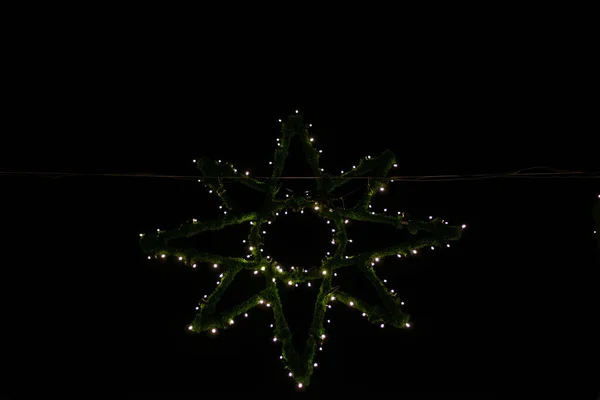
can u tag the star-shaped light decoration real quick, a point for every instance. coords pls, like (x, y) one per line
(300, 365)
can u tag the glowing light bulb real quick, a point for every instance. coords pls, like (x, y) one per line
(274, 339)
(323, 336)
(261, 301)
(300, 385)
(315, 365)
(316, 207)
(194, 266)
(407, 325)
(351, 303)
(190, 327)
(162, 256)
(255, 272)
(463, 226)
(376, 259)
(247, 173)
(382, 325)
(414, 252)
(230, 322)
(268, 304)
(381, 189)
(346, 221)
(311, 139)
(324, 272)
(290, 283)
(246, 315)
(215, 265)
(180, 258)
(214, 330)
(332, 298)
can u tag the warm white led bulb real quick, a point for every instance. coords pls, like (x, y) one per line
(190, 327)
(214, 330)
(351, 303)
(324, 272)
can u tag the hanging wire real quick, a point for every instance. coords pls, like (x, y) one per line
(521, 174)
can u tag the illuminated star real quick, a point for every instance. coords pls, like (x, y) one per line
(324, 204)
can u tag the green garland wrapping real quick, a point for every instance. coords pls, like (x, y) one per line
(300, 365)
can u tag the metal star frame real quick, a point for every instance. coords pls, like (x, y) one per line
(438, 233)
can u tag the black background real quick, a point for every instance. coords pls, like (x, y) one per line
(511, 307)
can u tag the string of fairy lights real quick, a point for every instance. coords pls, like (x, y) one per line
(299, 367)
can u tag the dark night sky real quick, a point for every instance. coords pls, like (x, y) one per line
(509, 307)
